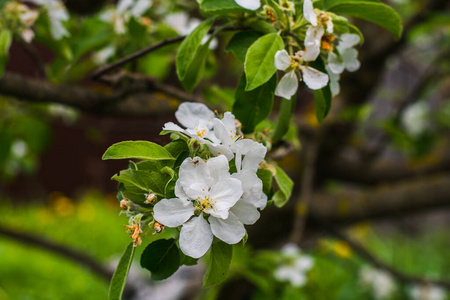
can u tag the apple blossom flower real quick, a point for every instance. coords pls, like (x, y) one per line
(294, 267)
(57, 14)
(249, 4)
(416, 118)
(197, 118)
(123, 11)
(334, 81)
(288, 85)
(348, 56)
(320, 22)
(379, 282)
(427, 292)
(208, 188)
(26, 16)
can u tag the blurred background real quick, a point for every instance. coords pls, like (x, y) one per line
(374, 176)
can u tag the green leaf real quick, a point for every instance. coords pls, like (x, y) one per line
(284, 118)
(187, 260)
(194, 72)
(161, 258)
(262, 26)
(322, 99)
(353, 29)
(371, 11)
(177, 147)
(254, 106)
(189, 48)
(137, 149)
(266, 177)
(119, 278)
(219, 264)
(218, 7)
(137, 183)
(285, 184)
(260, 60)
(240, 42)
(330, 3)
(6, 38)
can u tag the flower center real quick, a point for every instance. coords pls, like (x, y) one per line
(200, 132)
(205, 203)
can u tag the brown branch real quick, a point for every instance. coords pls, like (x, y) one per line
(103, 70)
(58, 249)
(128, 102)
(399, 275)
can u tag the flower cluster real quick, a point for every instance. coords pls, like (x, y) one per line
(379, 282)
(124, 10)
(427, 292)
(57, 14)
(21, 18)
(210, 201)
(294, 266)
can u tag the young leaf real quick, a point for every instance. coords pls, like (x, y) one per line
(119, 278)
(189, 48)
(260, 60)
(284, 118)
(322, 99)
(217, 7)
(240, 42)
(372, 11)
(285, 184)
(137, 183)
(219, 264)
(137, 149)
(195, 69)
(266, 176)
(254, 106)
(161, 258)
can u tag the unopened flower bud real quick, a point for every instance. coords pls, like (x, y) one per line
(149, 198)
(124, 204)
(158, 227)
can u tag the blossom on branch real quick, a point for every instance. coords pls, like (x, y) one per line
(294, 266)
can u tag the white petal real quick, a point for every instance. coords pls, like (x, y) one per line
(249, 4)
(27, 35)
(335, 63)
(313, 78)
(123, 5)
(290, 250)
(282, 60)
(217, 150)
(245, 212)
(254, 154)
(197, 191)
(308, 12)
(298, 279)
(221, 132)
(172, 127)
(288, 85)
(230, 231)
(189, 113)
(330, 26)
(218, 168)
(192, 171)
(140, 8)
(195, 237)
(173, 212)
(251, 187)
(312, 43)
(350, 58)
(349, 40)
(304, 263)
(224, 195)
(334, 81)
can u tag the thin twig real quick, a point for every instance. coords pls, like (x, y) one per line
(310, 148)
(402, 277)
(59, 249)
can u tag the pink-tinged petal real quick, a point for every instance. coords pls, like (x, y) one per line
(312, 43)
(313, 78)
(288, 85)
(173, 212)
(249, 4)
(189, 113)
(308, 12)
(282, 60)
(230, 230)
(196, 237)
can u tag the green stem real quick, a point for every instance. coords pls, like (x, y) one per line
(284, 119)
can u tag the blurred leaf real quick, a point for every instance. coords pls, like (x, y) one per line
(252, 107)
(161, 258)
(260, 60)
(119, 278)
(137, 149)
(217, 7)
(219, 264)
(240, 42)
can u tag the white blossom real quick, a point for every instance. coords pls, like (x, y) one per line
(416, 118)
(206, 187)
(57, 14)
(379, 282)
(288, 85)
(197, 118)
(427, 292)
(125, 9)
(348, 56)
(334, 81)
(294, 266)
(249, 4)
